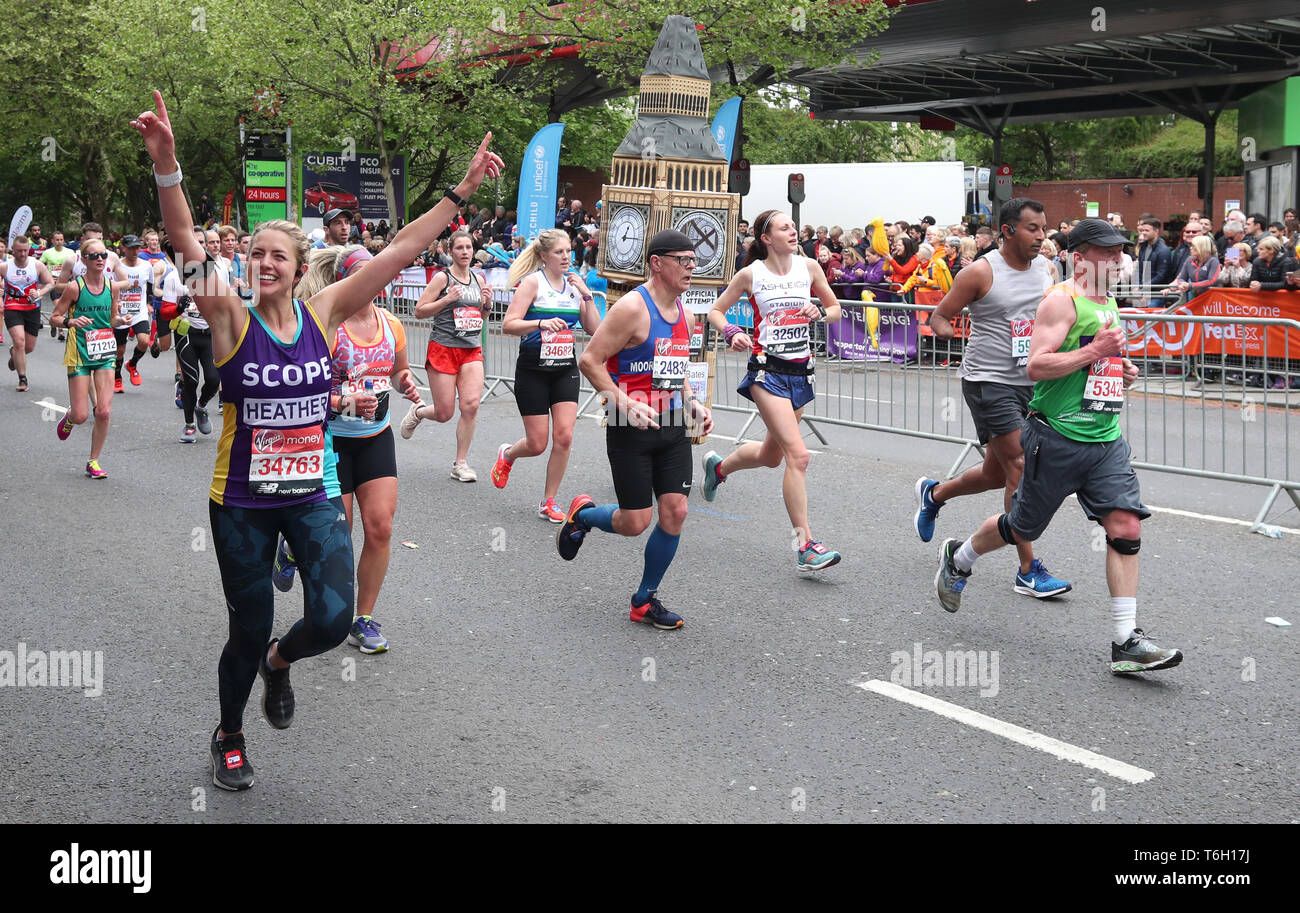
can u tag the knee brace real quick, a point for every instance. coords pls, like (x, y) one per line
(1124, 546)
(1004, 529)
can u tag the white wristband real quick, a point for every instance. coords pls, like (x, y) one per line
(168, 180)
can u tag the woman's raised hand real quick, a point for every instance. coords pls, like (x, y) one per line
(485, 163)
(156, 129)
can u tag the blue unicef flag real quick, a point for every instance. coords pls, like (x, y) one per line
(724, 125)
(537, 178)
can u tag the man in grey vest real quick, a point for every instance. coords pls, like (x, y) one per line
(1002, 290)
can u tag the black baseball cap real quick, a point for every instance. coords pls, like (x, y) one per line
(1095, 231)
(335, 213)
(130, 241)
(669, 239)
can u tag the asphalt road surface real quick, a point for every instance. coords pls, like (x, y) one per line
(517, 689)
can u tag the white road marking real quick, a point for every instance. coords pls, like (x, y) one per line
(1063, 750)
(1233, 520)
(54, 406)
(1214, 518)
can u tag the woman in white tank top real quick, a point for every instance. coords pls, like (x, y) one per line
(781, 284)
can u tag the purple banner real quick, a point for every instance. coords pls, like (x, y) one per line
(887, 334)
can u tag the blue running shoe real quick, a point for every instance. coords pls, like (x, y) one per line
(282, 570)
(816, 557)
(926, 509)
(654, 613)
(365, 635)
(568, 538)
(1039, 583)
(709, 486)
(179, 404)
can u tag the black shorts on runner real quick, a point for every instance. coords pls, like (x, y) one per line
(538, 389)
(648, 463)
(996, 409)
(364, 459)
(122, 334)
(29, 320)
(1101, 474)
(162, 328)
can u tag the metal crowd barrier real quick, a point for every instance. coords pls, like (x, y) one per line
(880, 369)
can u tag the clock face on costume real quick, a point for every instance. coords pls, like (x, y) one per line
(624, 240)
(707, 230)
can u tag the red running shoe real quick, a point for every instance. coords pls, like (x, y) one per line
(501, 470)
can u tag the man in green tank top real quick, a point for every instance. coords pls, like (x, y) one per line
(1073, 443)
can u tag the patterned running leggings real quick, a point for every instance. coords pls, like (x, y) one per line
(245, 542)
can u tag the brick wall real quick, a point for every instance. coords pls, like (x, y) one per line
(1160, 196)
(583, 184)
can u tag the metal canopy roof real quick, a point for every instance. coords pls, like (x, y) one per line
(984, 63)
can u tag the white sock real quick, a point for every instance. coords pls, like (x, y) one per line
(965, 557)
(1123, 612)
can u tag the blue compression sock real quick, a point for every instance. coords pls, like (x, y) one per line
(598, 517)
(659, 552)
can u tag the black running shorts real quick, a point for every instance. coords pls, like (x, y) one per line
(364, 459)
(647, 464)
(538, 389)
(29, 320)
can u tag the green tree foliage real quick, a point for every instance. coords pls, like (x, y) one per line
(344, 69)
(1125, 147)
(779, 130)
(757, 41)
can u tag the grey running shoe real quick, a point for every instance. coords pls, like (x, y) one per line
(230, 767)
(948, 581)
(277, 701)
(1139, 654)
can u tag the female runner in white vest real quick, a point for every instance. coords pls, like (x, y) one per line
(780, 282)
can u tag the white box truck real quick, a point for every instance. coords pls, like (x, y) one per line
(851, 195)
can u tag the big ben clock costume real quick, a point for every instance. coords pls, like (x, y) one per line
(669, 172)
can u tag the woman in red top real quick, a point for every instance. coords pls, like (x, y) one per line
(904, 261)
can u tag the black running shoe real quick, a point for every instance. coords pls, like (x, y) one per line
(230, 767)
(571, 533)
(654, 613)
(277, 700)
(1139, 654)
